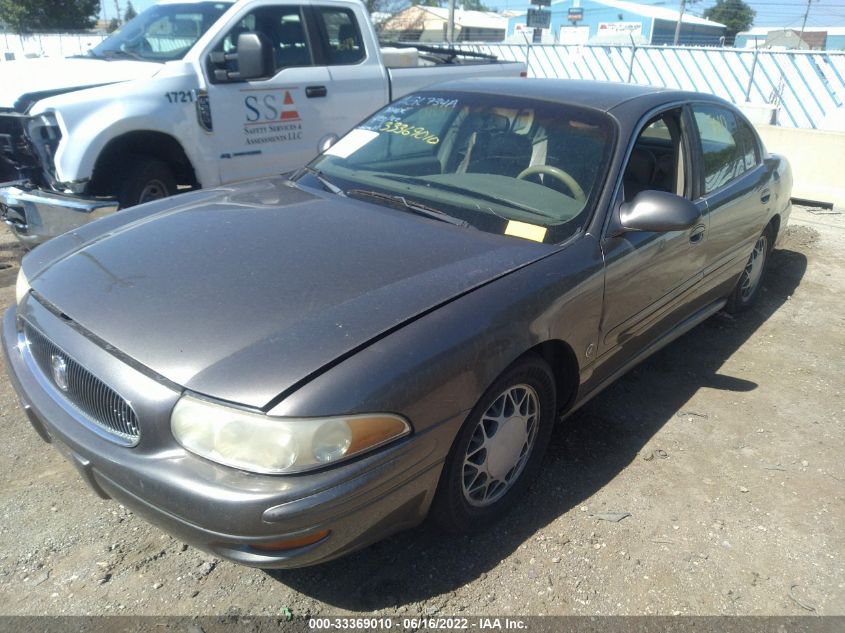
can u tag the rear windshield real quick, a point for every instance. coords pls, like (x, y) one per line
(519, 166)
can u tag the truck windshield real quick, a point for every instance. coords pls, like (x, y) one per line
(501, 164)
(162, 33)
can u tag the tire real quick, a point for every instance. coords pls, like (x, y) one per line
(748, 285)
(480, 484)
(143, 180)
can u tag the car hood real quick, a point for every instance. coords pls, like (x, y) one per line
(245, 294)
(28, 80)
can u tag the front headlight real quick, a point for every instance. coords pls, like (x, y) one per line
(264, 444)
(21, 287)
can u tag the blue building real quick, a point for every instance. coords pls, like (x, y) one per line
(621, 22)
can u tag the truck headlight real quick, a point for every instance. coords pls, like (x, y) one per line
(21, 287)
(262, 444)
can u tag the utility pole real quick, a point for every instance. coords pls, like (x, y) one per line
(680, 19)
(450, 25)
(804, 22)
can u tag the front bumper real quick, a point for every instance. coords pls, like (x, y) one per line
(220, 509)
(36, 215)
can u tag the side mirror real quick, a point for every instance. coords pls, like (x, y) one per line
(657, 212)
(254, 57)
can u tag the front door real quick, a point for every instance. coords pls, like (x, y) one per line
(270, 126)
(649, 275)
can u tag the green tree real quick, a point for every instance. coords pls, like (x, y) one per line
(113, 25)
(473, 5)
(734, 14)
(130, 12)
(23, 16)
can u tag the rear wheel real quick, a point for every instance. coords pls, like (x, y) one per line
(144, 179)
(499, 448)
(748, 286)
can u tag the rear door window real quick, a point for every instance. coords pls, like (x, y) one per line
(343, 37)
(728, 146)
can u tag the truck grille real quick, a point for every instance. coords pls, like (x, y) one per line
(99, 402)
(18, 160)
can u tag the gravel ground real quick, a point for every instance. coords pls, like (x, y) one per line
(726, 448)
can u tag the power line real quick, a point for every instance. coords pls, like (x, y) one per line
(804, 21)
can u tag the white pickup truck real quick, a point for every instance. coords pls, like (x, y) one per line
(191, 94)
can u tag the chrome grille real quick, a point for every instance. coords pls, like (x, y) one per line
(99, 402)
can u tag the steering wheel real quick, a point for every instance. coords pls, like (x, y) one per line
(555, 172)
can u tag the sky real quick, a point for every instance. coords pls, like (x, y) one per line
(781, 13)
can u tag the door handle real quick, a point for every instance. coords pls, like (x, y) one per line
(765, 196)
(316, 91)
(697, 235)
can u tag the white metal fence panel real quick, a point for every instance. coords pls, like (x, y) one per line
(803, 86)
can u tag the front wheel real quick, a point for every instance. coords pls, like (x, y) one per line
(499, 448)
(145, 179)
(748, 286)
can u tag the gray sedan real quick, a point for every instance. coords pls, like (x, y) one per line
(289, 369)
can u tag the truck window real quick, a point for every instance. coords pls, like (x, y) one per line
(285, 28)
(342, 34)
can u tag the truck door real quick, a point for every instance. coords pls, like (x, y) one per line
(270, 126)
(359, 79)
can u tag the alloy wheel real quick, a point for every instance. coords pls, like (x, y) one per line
(754, 268)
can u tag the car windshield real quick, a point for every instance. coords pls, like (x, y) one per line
(162, 33)
(518, 166)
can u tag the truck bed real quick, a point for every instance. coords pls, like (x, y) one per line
(408, 71)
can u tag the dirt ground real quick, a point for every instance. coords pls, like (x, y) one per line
(726, 448)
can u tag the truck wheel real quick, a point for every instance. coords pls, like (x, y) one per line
(499, 448)
(144, 180)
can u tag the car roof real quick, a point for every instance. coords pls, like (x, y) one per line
(600, 95)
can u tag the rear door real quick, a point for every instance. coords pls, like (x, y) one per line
(358, 78)
(734, 186)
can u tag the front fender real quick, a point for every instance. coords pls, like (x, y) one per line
(440, 364)
(90, 119)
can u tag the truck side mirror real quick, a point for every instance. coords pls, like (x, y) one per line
(254, 59)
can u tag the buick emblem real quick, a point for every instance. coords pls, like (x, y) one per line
(59, 366)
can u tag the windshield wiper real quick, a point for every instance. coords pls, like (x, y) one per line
(409, 205)
(469, 193)
(328, 185)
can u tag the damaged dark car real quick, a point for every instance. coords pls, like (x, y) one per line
(285, 370)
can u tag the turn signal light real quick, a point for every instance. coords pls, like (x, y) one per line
(302, 541)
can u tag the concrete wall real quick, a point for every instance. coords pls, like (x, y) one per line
(817, 159)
